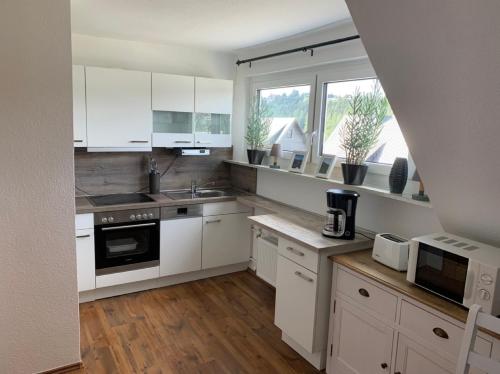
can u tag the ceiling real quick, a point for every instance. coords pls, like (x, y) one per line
(223, 25)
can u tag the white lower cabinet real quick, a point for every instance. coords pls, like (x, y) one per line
(226, 240)
(361, 343)
(295, 309)
(85, 259)
(180, 245)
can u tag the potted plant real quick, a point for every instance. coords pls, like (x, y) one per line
(361, 131)
(258, 128)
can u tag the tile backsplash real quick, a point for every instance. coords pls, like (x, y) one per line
(123, 172)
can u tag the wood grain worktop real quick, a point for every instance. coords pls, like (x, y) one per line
(363, 263)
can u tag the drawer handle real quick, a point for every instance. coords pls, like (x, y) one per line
(83, 236)
(383, 365)
(440, 333)
(139, 141)
(364, 292)
(182, 142)
(299, 274)
(295, 251)
(213, 221)
(78, 141)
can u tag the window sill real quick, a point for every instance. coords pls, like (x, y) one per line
(371, 190)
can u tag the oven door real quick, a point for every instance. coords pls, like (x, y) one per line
(441, 272)
(122, 247)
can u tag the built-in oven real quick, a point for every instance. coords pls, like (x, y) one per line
(126, 240)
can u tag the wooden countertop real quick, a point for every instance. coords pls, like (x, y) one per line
(362, 263)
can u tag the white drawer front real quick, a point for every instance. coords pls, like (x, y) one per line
(441, 334)
(224, 207)
(296, 302)
(84, 221)
(368, 295)
(299, 254)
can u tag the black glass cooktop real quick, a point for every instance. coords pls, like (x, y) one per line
(117, 199)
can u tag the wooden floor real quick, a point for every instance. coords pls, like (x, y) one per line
(216, 325)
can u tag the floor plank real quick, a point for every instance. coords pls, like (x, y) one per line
(218, 325)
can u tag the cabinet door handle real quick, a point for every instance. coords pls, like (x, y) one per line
(364, 292)
(213, 221)
(295, 251)
(182, 142)
(299, 274)
(83, 236)
(383, 365)
(78, 141)
(439, 332)
(139, 141)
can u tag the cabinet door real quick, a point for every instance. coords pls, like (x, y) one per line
(212, 130)
(85, 260)
(412, 358)
(173, 129)
(118, 108)
(180, 246)
(361, 343)
(213, 96)
(295, 310)
(226, 240)
(79, 107)
(172, 93)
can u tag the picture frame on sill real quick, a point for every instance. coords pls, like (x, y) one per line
(325, 166)
(298, 162)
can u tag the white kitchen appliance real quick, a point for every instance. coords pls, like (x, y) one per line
(458, 269)
(391, 250)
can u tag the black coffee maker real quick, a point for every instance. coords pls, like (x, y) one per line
(341, 214)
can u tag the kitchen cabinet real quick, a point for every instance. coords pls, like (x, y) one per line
(295, 311)
(180, 245)
(361, 344)
(119, 115)
(226, 240)
(267, 257)
(85, 259)
(213, 107)
(79, 107)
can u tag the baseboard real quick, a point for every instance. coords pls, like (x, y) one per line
(122, 289)
(65, 369)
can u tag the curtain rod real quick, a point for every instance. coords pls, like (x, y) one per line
(306, 48)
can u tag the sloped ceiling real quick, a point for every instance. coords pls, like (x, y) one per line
(439, 64)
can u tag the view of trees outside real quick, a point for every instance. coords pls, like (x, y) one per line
(288, 102)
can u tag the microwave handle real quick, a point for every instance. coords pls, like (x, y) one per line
(412, 261)
(469, 287)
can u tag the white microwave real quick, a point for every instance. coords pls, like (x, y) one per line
(461, 270)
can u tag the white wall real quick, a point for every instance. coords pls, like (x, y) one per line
(439, 64)
(375, 213)
(161, 58)
(39, 300)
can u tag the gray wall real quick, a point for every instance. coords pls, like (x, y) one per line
(39, 307)
(439, 64)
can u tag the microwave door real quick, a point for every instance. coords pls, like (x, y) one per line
(442, 272)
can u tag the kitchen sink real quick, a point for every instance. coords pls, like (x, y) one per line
(199, 194)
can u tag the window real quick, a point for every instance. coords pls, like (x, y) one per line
(391, 143)
(288, 108)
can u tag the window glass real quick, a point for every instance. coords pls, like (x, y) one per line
(391, 143)
(288, 109)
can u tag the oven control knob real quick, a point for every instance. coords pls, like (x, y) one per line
(486, 279)
(138, 216)
(145, 216)
(111, 219)
(150, 215)
(132, 217)
(104, 220)
(483, 294)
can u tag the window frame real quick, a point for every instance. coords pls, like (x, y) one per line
(287, 80)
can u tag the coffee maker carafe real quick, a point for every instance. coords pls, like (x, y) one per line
(341, 214)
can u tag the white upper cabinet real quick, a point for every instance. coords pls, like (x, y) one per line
(213, 96)
(79, 107)
(172, 93)
(119, 109)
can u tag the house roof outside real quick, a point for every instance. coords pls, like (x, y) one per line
(287, 132)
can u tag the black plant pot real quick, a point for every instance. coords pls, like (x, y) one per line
(398, 175)
(255, 156)
(354, 174)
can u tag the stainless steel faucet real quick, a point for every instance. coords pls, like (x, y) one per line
(194, 186)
